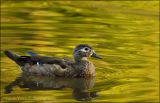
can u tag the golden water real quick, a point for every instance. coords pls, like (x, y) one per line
(124, 33)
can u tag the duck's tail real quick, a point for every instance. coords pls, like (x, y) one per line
(11, 55)
(14, 57)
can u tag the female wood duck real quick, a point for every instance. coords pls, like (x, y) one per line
(50, 66)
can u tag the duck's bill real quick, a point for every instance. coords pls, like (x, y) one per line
(96, 56)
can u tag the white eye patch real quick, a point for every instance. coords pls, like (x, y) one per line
(85, 49)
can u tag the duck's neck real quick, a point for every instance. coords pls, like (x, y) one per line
(79, 59)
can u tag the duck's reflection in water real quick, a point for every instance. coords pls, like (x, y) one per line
(80, 86)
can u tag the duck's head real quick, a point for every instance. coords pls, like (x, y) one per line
(83, 51)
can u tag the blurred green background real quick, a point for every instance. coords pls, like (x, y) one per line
(124, 33)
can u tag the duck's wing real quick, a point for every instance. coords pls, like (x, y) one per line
(34, 59)
(50, 60)
(31, 53)
(40, 60)
(49, 66)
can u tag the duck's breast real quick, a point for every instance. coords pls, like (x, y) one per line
(84, 68)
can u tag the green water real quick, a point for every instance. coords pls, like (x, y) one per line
(124, 33)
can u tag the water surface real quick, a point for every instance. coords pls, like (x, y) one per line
(124, 33)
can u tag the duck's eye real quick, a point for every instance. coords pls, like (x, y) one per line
(86, 49)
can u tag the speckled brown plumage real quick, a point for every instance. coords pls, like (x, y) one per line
(50, 66)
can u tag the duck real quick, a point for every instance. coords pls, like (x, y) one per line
(35, 64)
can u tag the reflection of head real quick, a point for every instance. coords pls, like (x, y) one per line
(83, 95)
